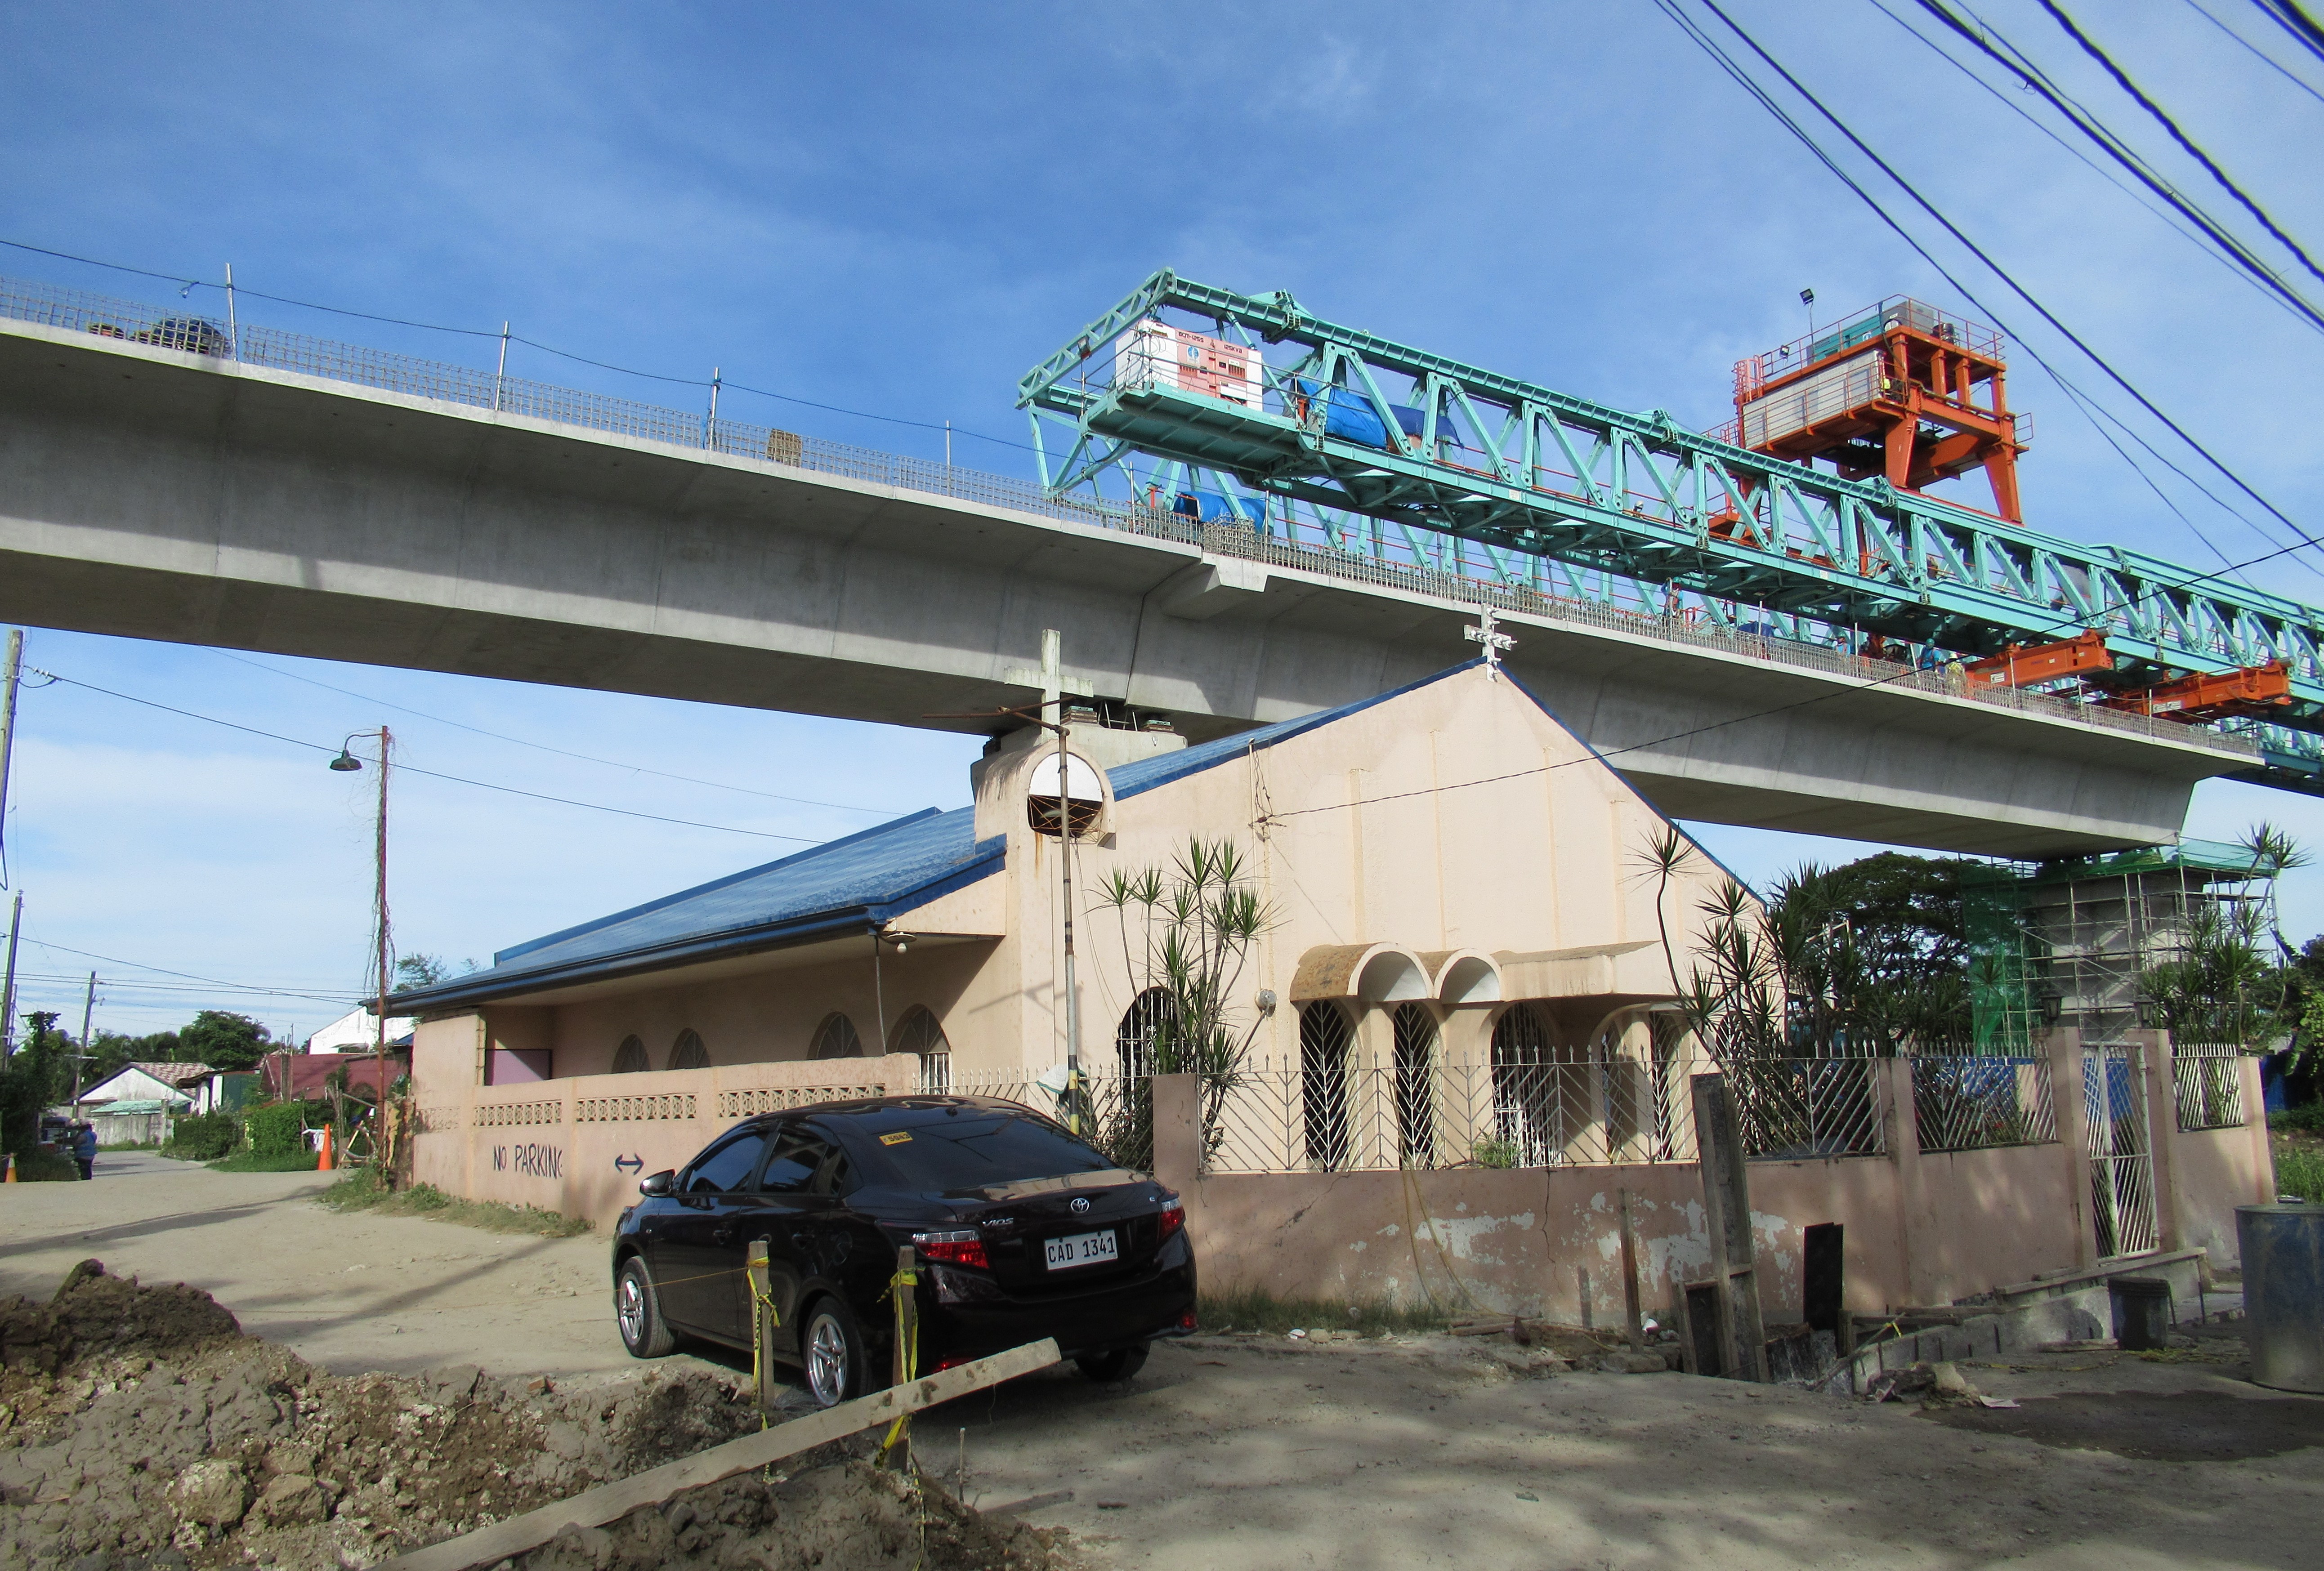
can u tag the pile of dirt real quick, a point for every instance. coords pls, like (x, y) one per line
(849, 1514)
(140, 1430)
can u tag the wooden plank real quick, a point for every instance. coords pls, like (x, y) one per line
(612, 1501)
(756, 1272)
(1727, 1206)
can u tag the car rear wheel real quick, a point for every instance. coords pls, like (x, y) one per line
(1107, 1368)
(637, 1309)
(832, 1350)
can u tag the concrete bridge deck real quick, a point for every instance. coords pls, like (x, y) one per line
(150, 492)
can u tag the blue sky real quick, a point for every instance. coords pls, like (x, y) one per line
(899, 209)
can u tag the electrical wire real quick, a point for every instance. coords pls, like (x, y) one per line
(1743, 78)
(1992, 44)
(544, 747)
(2165, 216)
(2303, 28)
(2187, 143)
(166, 971)
(2261, 55)
(432, 774)
(2089, 408)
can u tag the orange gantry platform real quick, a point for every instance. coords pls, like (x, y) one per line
(1905, 390)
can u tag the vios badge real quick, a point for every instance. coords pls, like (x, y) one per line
(1081, 1205)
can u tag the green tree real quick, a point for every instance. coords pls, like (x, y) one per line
(114, 1053)
(425, 970)
(224, 1040)
(32, 1079)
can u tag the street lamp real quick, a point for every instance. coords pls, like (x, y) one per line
(345, 763)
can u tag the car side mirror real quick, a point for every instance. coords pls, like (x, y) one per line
(658, 1183)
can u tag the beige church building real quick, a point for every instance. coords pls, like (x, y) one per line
(1457, 1061)
(1462, 954)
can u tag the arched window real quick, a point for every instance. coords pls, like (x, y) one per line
(1084, 792)
(1416, 1085)
(1324, 1039)
(629, 1058)
(687, 1052)
(1144, 1030)
(921, 1033)
(1540, 1089)
(836, 1038)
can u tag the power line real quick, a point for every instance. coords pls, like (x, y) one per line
(431, 773)
(166, 971)
(2022, 66)
(2186, 143)
(2169, 219)
(2261, 55)
(1670, 9)
(2303, 28)
(544, 747)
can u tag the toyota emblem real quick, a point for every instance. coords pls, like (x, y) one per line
(1080, 1206)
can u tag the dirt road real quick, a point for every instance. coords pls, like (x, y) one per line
(1248, 1452)
(346, 1292)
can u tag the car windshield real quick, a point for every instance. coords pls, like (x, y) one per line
(975, 1150)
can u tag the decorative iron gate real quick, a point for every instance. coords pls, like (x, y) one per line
(2122, 1171)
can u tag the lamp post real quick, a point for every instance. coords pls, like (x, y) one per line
(343, 763)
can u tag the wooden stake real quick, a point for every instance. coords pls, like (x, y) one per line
(763, 1328)
(612, 1501)
(1630, 1279)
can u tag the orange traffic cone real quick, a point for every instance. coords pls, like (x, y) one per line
(12, 1171)
(323, 1151)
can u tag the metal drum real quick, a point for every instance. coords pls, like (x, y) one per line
(2282, 1249)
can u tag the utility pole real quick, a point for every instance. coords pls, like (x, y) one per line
(8, 989)
(88, 1009)
(14, 669)
(379, 902)
(1052, 683)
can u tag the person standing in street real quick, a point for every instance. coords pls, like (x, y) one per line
(84, 1148)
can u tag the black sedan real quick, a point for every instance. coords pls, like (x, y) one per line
(1022, 1231)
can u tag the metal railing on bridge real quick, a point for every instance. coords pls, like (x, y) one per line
(1388, 564)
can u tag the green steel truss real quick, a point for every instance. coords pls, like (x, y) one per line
(1579, 498)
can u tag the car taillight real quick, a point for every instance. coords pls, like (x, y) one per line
(961, 1248)
(1174, 1217)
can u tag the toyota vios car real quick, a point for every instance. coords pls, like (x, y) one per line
(1021, 1232)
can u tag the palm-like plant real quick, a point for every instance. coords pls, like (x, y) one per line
(1195, 922)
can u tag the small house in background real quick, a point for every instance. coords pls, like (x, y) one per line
(174, 1087)
(309, 1074)
(358, 1031)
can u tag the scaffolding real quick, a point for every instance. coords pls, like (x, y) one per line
(2070, 943)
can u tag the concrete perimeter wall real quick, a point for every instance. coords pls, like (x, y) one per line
(1922, 1228)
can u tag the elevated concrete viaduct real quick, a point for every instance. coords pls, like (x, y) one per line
(153, 493)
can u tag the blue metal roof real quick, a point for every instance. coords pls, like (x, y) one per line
(857, 882)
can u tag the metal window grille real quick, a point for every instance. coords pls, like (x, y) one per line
(1416, 1086)
(629, 1058)
(1965, 1102)
(835, 1038)
(687, 1052)
(2121, 1177)
(1136, 1038)
(1807, 1107)
(2206, 1077)
(1325, 1103)
(1115, 1112)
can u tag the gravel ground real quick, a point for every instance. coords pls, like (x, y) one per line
(1248, 1452)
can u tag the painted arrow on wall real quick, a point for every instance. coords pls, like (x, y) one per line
(628, 1163)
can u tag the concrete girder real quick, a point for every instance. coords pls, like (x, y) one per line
(150, 493)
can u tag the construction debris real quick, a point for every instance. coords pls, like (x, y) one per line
(138, 1423)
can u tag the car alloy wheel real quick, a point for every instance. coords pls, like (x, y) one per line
(637, 1314)
(830, 1357)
